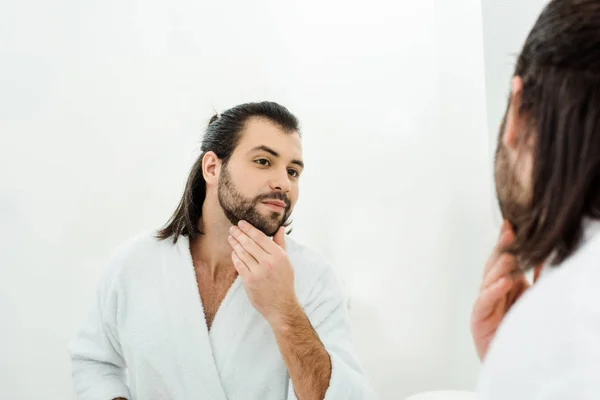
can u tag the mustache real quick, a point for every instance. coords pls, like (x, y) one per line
(274, 196)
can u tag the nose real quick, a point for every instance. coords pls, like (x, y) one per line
(280, 181)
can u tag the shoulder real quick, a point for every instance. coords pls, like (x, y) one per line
(563, 292)
(553, 328)
(136, 254)
(306, 260)
(313, 272)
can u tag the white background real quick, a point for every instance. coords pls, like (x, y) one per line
(102, 105)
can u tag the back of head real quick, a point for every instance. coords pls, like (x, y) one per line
(221, 137)
(560, 68)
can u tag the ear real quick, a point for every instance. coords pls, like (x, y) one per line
(514, 121)
(211, 168)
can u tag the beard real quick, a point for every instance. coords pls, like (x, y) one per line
(512, 196)
(237, 207)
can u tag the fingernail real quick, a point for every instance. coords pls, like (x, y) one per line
(243, 224)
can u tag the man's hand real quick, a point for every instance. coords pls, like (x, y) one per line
(265, 269)
(503, 284)
(268, 279)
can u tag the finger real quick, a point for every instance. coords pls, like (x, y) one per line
(506, 238)
(505, 265)
(260, 238)
(242, 254)
(239, 265)
(490, 298)
(279, 237)
(248, 244)
(517, 291)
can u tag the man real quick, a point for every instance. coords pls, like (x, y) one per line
(548, 184)
(171, 309)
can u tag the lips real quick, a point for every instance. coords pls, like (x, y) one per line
(276, 203)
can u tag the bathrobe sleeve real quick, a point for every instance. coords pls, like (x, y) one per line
(97, 362)
(327, 310)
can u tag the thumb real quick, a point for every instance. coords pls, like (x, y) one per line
(279, 237)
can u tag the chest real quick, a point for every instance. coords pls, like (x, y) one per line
(212, 292)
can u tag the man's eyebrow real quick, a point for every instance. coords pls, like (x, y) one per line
(265, 148)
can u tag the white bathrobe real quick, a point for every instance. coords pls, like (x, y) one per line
(548, 346)
(148, 320)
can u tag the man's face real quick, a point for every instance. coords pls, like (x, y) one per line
(259, 184)
(513, 170)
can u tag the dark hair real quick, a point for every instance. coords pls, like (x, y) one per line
(222, 136)
(560, 68)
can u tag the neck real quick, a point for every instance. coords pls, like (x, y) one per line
(212, 250)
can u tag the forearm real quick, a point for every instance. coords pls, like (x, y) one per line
(307, 360)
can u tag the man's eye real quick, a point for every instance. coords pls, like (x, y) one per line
(263, 162)
(293, 173)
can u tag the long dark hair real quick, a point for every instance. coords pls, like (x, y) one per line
(560, 68)
(222, 136)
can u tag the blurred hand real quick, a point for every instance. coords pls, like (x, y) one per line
(503, 284)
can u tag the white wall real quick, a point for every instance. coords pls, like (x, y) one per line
(101, 109)
(505, 27)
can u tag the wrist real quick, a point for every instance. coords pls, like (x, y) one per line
(286, 317)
